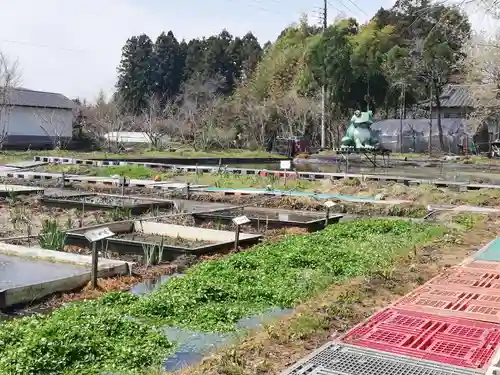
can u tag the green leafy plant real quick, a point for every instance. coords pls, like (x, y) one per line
(18, 215)
(119, 213)
(12, 197)
(214, 295)
(51, 236)
(151, 255)
(93, 337)
(149, 252)
(69, 223)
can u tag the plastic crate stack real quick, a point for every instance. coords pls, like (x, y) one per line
(448, 326)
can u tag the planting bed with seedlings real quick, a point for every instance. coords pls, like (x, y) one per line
(27, 216)
(153, 238)
(156, 242)
(136, 206)
(262, 218)
(212, 296)
(27, 221)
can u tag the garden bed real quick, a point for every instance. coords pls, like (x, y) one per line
(9, 190)
(271, 218)
(166, 240)
(93, 201)
(136, 237)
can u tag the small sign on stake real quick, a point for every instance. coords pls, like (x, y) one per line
(98, 234)
(328, 205)
(93, 236)
(285, 164)
(241, 220)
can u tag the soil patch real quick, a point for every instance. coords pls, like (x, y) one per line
(283, 342)
(167, 241)
(25, 216)
(107, 200)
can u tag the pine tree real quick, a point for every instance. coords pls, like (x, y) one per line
(168, 67)
(134, 87)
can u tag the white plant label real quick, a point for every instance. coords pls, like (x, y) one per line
(329, 204)
(285, 164)
(241, 220)
(98, 234)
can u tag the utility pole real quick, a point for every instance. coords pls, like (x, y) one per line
(430, 123)
(323, 87)
(401, 115)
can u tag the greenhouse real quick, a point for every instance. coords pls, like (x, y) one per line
(416, 134)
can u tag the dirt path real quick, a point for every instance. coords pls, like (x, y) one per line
(284, 342)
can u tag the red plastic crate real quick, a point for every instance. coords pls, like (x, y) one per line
(483, 265)
(462, 302)
(465, 277)
(454, 341)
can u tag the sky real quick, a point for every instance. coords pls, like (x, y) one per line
(74, 48)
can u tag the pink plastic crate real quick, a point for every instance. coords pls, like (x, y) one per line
(454, 341)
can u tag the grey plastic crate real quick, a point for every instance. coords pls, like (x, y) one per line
(342, 359)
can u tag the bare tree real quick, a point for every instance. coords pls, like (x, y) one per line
(105, 121)
(201, 114)
(483, 63)
(157, 121)
(299, 115)
(56, 125)
(9, 80)
(260, 126)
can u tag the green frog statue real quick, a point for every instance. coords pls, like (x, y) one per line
(358, 135)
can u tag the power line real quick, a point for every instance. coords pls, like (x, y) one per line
(360, 9)
(345, 6)
(334, 7)
(20, 42)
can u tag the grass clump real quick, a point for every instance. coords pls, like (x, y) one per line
(83, 338)
(52, 236)
(214, 295)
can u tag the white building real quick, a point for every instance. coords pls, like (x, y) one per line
(36, 119)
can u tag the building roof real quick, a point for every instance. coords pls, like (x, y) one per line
(457, 96)
(453, 96)
(30, 98)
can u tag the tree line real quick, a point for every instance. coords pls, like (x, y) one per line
(224, 90)
(160, 69)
